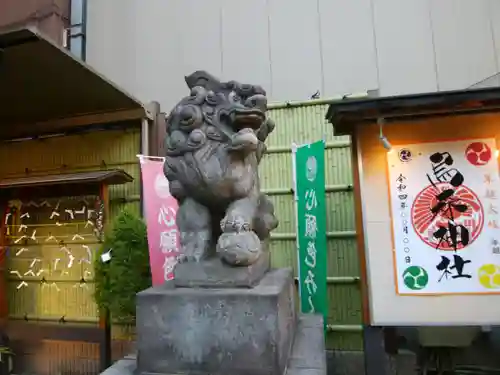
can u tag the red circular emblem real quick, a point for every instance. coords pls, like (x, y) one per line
(450, 223)
(478, 153)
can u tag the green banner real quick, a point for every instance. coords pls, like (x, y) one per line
(309, 176)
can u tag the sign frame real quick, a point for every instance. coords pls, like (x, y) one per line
(446, 254)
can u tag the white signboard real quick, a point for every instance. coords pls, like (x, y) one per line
(445, 203)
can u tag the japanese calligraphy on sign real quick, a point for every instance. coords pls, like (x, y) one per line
(160, 215)
(445, 217)
(309, 175)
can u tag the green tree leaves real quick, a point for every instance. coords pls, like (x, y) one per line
(127, 273)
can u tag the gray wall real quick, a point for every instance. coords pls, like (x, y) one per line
(295, 47)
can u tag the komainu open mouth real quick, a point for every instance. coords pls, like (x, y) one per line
(246, 118)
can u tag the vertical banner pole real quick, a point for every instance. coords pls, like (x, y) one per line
(295, 199)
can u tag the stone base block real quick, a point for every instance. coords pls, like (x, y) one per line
(217, 331)
(307, 356)
(213, 273)
(125, 366)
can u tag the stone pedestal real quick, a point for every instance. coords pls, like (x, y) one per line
(217, 331)
(213, 273)
(225, 331)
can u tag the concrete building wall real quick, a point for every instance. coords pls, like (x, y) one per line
(295, 48)
(50, 16)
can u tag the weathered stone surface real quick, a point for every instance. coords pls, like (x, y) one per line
(306, 371)
(217, 331)
(308, 354)
(214, 144)
(125, 366)
(212, 273)
(225, 312)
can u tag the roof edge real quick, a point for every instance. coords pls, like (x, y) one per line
(107, 177)
(344, 115)
(21, 36)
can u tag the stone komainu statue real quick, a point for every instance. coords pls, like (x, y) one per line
(215, 141)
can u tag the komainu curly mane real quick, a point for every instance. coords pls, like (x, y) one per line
(215, 141)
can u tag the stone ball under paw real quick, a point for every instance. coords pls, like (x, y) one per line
(239, 249)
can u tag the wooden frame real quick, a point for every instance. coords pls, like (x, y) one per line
(26, 330)
(104, 316)
(108, 107)
(374, 338)
(360, 234)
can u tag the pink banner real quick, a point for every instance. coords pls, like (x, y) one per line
(160, 210)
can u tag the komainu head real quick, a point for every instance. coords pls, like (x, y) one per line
(228, 112)
(215, 133)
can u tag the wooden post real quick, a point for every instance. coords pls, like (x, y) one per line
(104, 318)
(157, 131)
(4, 307)
(360, 235)
(373, 337)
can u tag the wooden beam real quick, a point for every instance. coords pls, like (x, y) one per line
(373, 337)
(60, 125)
(360, 238)
(104, 316)
(34, 331)
(157, 130)
(4, 300)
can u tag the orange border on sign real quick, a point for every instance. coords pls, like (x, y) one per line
(394, 264)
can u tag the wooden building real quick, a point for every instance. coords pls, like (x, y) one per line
(68, 145)
(445, 148)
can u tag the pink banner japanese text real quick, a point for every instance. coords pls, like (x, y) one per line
(160, 210)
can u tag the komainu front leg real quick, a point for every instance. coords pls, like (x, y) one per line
(238, 244)
(194, 224)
